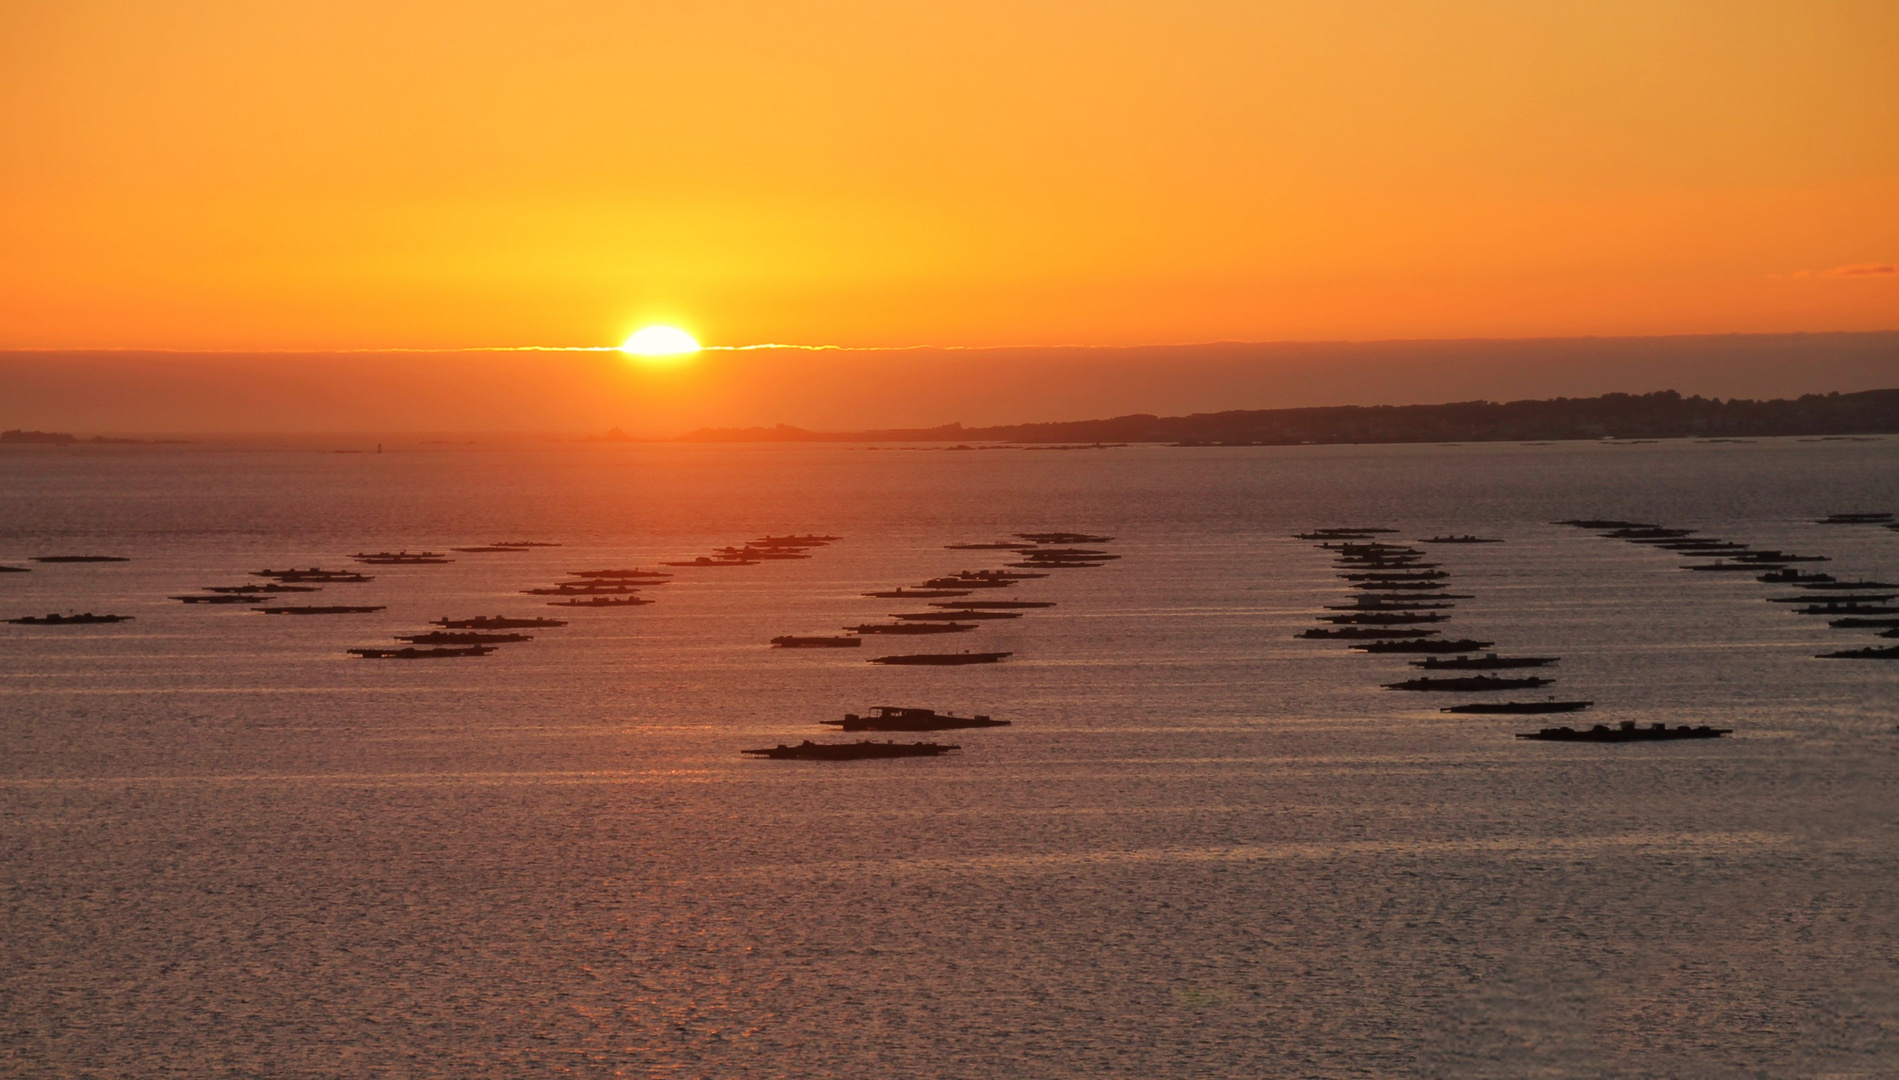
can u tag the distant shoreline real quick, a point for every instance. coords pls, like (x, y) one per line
(1661, 415)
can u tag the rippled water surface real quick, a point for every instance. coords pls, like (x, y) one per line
(1203, 849)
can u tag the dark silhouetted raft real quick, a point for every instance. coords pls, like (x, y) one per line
(421, 654)
(916, 594)
(1518, 708)
(1472, 683)
(1462, 645)
(401, 558)
(219, 598)
(1491, 662)
(857, 751)
(793, 641)
(911, 628)
(898, 718)
(82, 619)
(440, 637)
(1887, 653)
(599, 601)
(497, 622)
(1360, 633)
(79, 558)
(943, 659)
(1626, 732)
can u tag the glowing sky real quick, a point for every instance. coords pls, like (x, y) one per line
(336, 174)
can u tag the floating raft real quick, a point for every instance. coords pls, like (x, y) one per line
(313, 574)
(1361, 633)
(442, 637)
(793, 641)
(599, 601)
(857, 751)
(916, 594)
(79, 558)
(83, 619)
(412, 653)
(1461, 646)
(895, 718)
(1872, 653)
(1626, 732)
(1855, 519)
(1466, 685)
(401, 558)
(1493, 662)
(808, 540)
(943, 659)
(1063, 538)
(1518, 708)
(497, 622)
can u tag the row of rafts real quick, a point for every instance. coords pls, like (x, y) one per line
(1862, 604)
(448, 638)
(962, 602)
(1399, 594)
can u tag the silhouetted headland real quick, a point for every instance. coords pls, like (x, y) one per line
(1661, 415)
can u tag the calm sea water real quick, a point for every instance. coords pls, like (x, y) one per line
(1204, 849)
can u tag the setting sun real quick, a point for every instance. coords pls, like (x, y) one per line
(659, 341)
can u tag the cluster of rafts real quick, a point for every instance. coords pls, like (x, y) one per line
(881, 718)
(285, 592)
(753, 552)
(581, 589)
(1399, 602)
(961, 602)
(68, 618)
(1846, 605)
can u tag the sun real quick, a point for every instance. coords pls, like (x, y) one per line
(659, 341)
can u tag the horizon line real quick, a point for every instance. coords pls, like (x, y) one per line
(767, 346)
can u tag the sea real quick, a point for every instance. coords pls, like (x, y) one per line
(1204, 847)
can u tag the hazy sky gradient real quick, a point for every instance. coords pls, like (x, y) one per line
(335, 174)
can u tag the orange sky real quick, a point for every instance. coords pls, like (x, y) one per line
(334, 174)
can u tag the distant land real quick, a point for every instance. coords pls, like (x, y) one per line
(1661, 415)
(193, 395)
(18, 437)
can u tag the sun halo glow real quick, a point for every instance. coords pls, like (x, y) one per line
(659, 341)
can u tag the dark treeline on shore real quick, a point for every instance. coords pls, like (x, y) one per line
(1662, 415)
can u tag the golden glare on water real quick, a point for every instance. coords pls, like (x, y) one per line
(660, 341)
